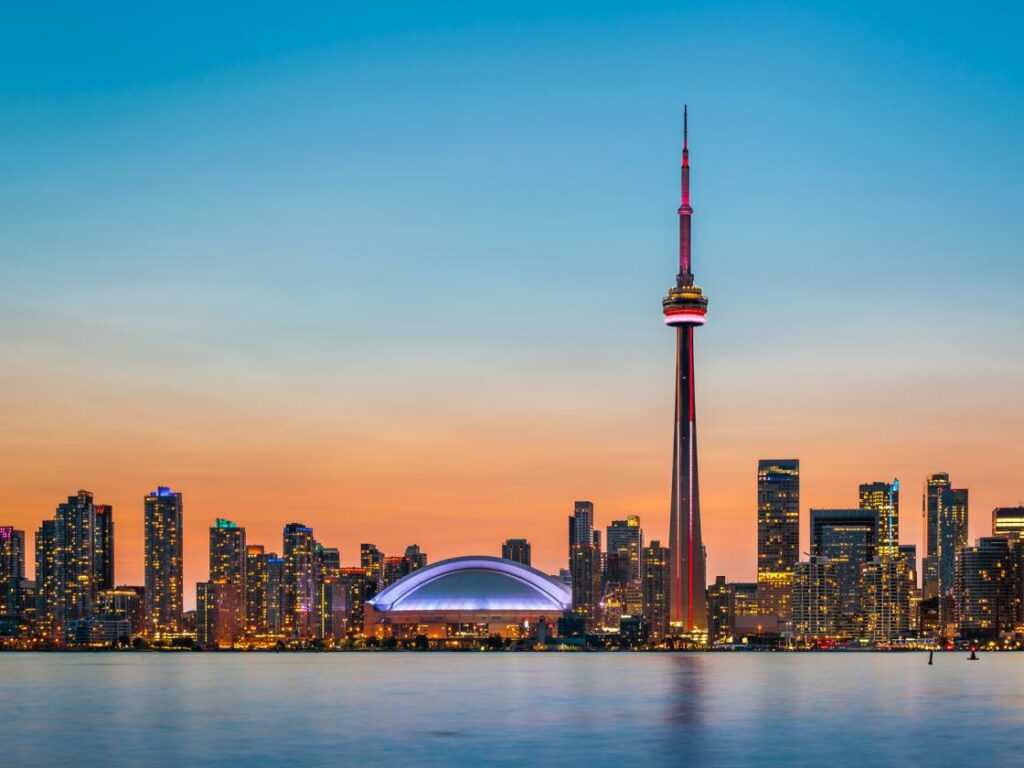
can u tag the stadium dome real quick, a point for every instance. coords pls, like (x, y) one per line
(475, 583)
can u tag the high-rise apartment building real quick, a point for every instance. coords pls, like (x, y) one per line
(988, 592)
(1008, 521)
(625, 540)
(300, 581)
(371, 560)
(228, 582)
(721, 611)
(76, 563)
(581, 524)
(657, 574)
(778, 534)
(815, 600)
(163, 561)
(12, 568)
(49, 618)
(884, 497)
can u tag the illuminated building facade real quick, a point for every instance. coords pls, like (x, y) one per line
(414, 558)
(255, 590)
(12, 568)
(884, 497)
(684, 309)
(581, 524)
(358, 587)
(371, 560)
(625, 539)
(1008, 521)
(988, 578)
(275, 594)
(163, 561)
(886, 587)
(778, 534)
(104, 546)
(516, 550)
(849, 539)
(392, 569)
(815, 600)
(49, 619)
(474, 596)
(585, 566)
(76, 564)
(123, 603)
(721, 611)
(952, 529)
(229, 563)
(300, 581)
(657, 577)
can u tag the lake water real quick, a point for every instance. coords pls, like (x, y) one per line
(462, 709)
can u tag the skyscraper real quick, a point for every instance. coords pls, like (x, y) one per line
(625, 539)
(849, 539)
(49, 619)
(657, 578)
(581, 524)
(885, 497)
(684, 309)
(76, 563)
(414, 558)
(163, 555)
(228, 578)
(299, 581)
(815, 599)
(952, 530)
(778, 534)
(104, 546)
(12, 568)
(987, 587)
(517, 550)
(255, 590)
(721, 611)
(934, 485)
(371, 560)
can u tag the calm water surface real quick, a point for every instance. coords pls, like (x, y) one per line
(511, 709)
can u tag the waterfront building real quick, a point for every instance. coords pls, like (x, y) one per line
(300, 578)
(228, 573)
(721, 611)
(684, 309)
(76, 563)
(1008, 521)
(163, 561)
(953, 516)
(275, 594)
(104, 546)
(49, 619)
(255, 590)
(815, 600)
(585, 564)
(356, 588)
(778, 534)
(849, 539)
(657, 570)
(885, 598)
(987, 589)
(12, 568)
(516, 550)
(123, 603)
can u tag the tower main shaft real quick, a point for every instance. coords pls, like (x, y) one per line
(684, 309)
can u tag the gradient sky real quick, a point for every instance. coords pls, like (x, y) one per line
(397, 273)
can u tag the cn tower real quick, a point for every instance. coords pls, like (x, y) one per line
(684, 308)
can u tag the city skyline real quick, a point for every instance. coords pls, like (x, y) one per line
(242, 343)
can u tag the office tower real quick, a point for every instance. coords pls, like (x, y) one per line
(885, 497)
(104, 546)
(163, 561)
(414, 558)
(988, 577)
(12, 568)
(1008, 521)
(778, 534)
(849, 539)
(581, 524)
(721, 611)
(626, 540)
(585, 565)
(49, 619)
(815, 599)
(517, 550)
(371, 560)
(255, 590)
(657, 568)
(299, 581)
(228, 581)
(952, 529)
(684, 309)
(275, 594)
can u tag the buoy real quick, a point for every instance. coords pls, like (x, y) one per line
(973, 656)
(930, 654)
